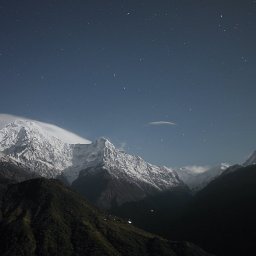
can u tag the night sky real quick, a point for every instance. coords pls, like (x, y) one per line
(172, 81)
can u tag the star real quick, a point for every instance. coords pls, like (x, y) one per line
(244, 59)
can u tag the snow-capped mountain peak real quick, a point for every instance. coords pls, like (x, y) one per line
(119, 165)
(30, 144)
(117, 176)
(50, 129)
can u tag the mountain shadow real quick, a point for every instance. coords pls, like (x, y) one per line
(12, 173)
(44, 217)
(156, 213)
(221, 217)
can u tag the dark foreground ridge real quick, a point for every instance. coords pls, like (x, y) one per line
(44, 217)
(220, 218)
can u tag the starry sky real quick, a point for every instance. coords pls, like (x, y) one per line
(172, 81)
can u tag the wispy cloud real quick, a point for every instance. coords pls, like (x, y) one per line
(162, 123)
(50, 129)
(195, 169)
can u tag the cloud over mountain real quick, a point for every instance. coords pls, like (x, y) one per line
(53, 130)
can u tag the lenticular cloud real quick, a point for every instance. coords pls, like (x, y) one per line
(53, 130)
(162, 123)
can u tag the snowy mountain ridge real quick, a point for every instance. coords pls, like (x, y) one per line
(29, 143)
(120, 164)
(198, 177)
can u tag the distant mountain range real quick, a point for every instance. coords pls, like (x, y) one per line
(197, 178)
(121, 177)
(213, 207)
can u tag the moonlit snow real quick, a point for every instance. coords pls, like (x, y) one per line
(52, 130)
(37, 145)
